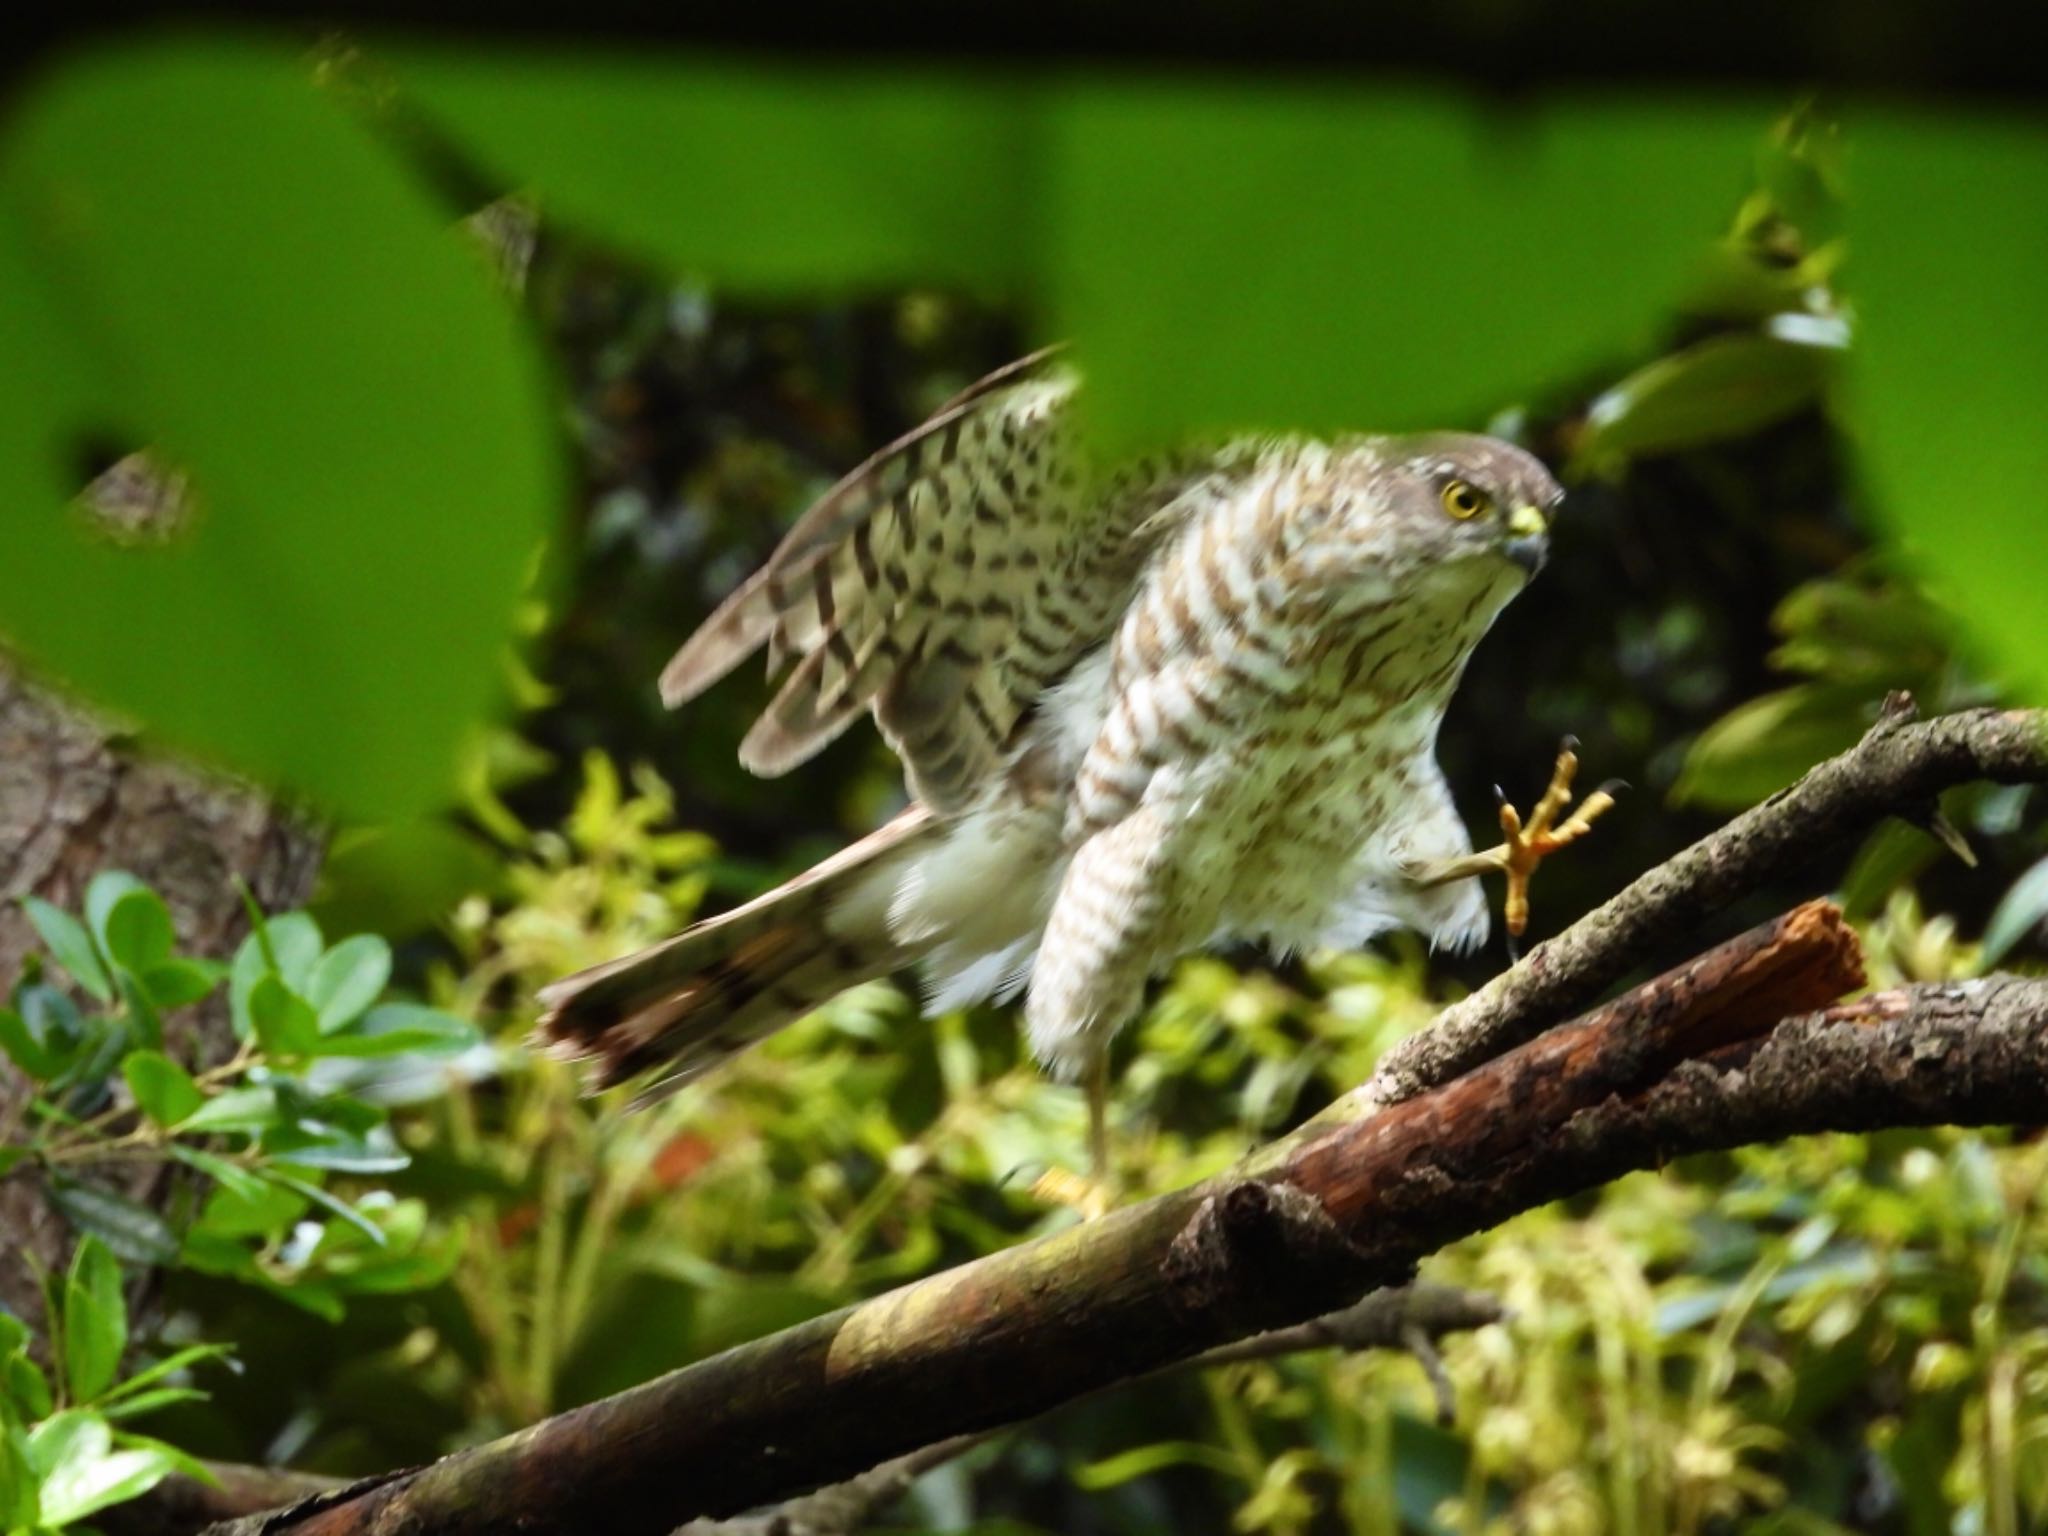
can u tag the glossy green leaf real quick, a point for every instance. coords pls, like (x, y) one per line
(1724, 387)
(101, 893)
(171, 1364)
(233, 1212)
(231, 1176)
(348, 979)
(133, 1231)
(1950, 227)
(82, 1470)
(20, 1482)
(1759, 747)
(23, 1048)
(311, 1145)
(334, 1205)
(239, 1109)
(138, 933)
(1327, 258)
(164, 1089)
(180, 983)
(259, 289)
(397, 1028)
(772, 175)
(95, 1320)
(70, 945)
(23, 1382)
(284, 1023)
(291, 942)
(156, 1398)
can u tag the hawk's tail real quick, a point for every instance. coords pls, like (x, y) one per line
(716, 988)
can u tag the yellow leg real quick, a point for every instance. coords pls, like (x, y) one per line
(1526, 846)
(1091, 1196)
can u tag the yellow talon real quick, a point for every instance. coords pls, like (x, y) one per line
(1523, 848)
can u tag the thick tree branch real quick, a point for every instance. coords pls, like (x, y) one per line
(1691, 1062)
(1898, 769)
(1405, 1317)
(1701, 1058)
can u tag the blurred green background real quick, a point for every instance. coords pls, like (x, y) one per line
(462, 484)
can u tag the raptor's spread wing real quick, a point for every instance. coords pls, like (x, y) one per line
(943, 584)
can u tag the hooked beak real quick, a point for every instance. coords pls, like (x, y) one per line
(1528, 538)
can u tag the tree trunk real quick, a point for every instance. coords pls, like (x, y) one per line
(77, 798)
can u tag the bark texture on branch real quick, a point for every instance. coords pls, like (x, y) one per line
(1897, 769)
(1675, 1067)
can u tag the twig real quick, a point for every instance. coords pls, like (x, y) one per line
(1897, 769)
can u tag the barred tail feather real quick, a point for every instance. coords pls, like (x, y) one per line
(705, 995)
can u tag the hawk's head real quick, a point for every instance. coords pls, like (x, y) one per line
(1459, 496)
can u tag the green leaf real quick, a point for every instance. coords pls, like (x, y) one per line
(230, 1176)
(164, 1090)
(376, 466)
(141, 1393)
(907, 175)
(1721, 388)
(231, 1213)
(397, 1028)
(102, 1040)
(284, 1022)
(134, 1232)
(24, 1382)
(2022, 910)
(1759, 747)
(77, 1434)
(20, 1482)
(138, 933)
(288, 945)
(145, 1025)
(70, 945)
(150, 1402)
(1408, 264)
(1949, 217)
(82, 1472)
(1144, 1460)
(312, 1145)
(402, 880)
(239, 1109)
(95, 1321)
(22, 1047)
(332, 1204)
(293, 940)
(51, 1023)
(101, 894)
(348, 979)
(180, 983)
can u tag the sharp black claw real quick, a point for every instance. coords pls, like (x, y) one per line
(1500, 796)
(1514, 948)
(1569, 744)
(1614, 787)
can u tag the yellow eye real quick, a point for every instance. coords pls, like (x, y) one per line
(1465, 502)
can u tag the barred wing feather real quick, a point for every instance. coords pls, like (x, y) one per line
(942, 585)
